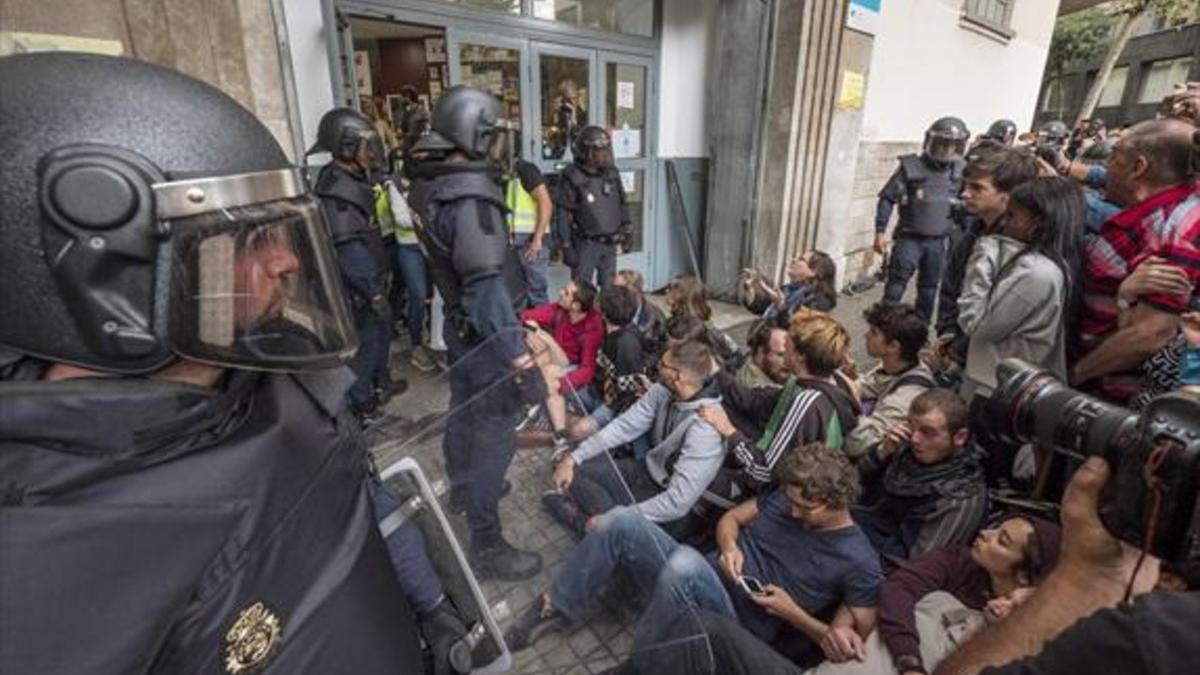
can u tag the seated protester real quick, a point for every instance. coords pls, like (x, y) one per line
(620, 365)
(1021, 290)
(811, 407)
(988, 576)
(923, 484)
(767, 366)
(1149, 176)
(686, 451)
(798, 540)
(576, 327)
(987, 184)
(921, 608)
(648, 319)
(687, 297)
(811, 279)
(895, 335)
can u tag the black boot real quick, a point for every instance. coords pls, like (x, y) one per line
(445, 633)
(494, 558)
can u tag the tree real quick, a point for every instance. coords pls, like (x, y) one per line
(1127, 13)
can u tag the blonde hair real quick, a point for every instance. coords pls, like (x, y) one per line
(820, 339)
(633, 279)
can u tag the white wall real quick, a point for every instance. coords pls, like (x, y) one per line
(310, 64)
(926, 65)
(685, 62)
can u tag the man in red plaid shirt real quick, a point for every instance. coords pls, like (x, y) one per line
(1149, 174)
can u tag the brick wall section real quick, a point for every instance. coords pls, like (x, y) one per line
(875, 163)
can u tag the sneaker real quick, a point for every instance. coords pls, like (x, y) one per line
(564, 511)
(423, 359)
(498, 559)
(538, 620)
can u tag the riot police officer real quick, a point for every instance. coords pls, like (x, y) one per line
(456, 192)
(348, 200)
(926, 187)
(181, 486)
(1002, 131)
(593, 200)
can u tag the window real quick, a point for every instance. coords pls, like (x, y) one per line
(635, 17)
(1160, 77)
(1114, 89)
(507, 6)
(1059, 94)
(993, 14)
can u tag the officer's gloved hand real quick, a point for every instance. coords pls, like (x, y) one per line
(443, 631)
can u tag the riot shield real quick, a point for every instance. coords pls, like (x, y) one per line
(457, 439)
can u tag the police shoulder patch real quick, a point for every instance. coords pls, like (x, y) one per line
(253, 640)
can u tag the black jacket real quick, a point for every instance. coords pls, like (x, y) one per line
(144, 522)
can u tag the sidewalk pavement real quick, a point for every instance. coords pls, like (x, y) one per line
(605, 639)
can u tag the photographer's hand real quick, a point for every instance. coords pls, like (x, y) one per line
(1092, 573)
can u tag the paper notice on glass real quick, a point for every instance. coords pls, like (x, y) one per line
(626, 143)
(625, 92)
(629, 182)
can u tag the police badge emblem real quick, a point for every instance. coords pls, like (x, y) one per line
(253, 640)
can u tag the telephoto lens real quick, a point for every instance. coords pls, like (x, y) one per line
(1150, 502)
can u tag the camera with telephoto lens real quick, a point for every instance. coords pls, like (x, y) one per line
(1150, 501)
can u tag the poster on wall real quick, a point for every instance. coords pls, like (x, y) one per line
(362, 73)
(864, 15)
(14, 42)
(435, 50)
(626, 143)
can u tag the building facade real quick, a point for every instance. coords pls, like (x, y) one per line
(1156, 58)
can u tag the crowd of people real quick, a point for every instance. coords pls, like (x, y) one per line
(776, 510)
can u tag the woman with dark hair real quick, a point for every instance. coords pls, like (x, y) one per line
(686, 296)
(1022, 289)
(810, 284)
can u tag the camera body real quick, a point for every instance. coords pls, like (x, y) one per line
(1155, 455)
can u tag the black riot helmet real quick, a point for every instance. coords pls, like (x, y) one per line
(347, 134)
(946, 139)
(1004, 131)
(1053, 132)
(592, 146)
(148, 216)
(467, 119)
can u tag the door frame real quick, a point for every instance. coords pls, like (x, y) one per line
(646, 163)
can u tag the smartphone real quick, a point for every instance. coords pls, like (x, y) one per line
(752, 586)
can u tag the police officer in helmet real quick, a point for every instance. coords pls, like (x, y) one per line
(593, 199)
(926, 188)
(1003, 132)
(456, 193)
(348, 200)
(181, 486)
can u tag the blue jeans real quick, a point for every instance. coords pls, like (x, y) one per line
(410, 263)
(675, 577)
(924, 256)
(536, 273)
(406, 548)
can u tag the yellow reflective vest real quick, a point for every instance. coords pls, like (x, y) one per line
(523, 219)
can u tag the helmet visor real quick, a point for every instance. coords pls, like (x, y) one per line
(946, 147)
(257, 287)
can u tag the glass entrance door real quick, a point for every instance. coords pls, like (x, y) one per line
(625, 90)
(495, 65)
(564, 80)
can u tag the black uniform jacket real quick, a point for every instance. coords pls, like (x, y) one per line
(151, 527)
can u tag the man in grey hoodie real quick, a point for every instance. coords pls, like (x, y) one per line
(687, 451)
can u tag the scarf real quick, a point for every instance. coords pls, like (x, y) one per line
(960, 477)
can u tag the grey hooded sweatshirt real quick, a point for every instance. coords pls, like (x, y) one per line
(687, 451)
